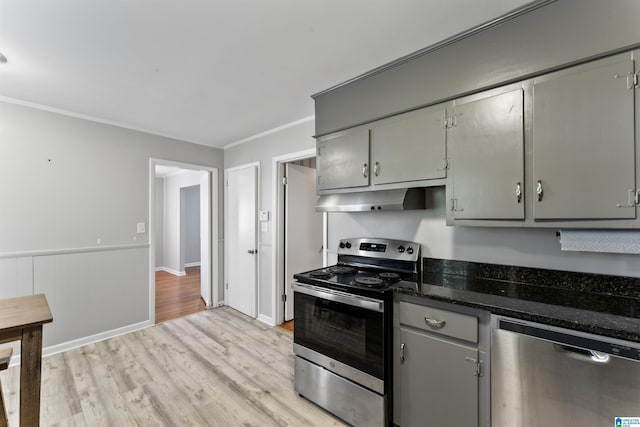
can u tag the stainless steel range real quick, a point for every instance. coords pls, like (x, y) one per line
(343, 325)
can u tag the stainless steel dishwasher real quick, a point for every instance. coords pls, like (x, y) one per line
(545, 376)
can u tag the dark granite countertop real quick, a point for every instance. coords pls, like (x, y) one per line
(599, 304)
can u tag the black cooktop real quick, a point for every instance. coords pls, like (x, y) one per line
(371, 282)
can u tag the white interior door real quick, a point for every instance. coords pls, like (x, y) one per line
(241, 239)
(303, 228)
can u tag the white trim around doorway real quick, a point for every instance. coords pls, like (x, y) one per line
(277, 236)
(214, 206)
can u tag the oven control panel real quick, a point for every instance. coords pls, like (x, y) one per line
(380, 248)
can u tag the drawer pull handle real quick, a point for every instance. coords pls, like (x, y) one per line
(434, 324)
(402, 353)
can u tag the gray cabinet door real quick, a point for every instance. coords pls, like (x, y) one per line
(439, 386)
(343, 160)
(583, 142)
(486, 148)
(409, 147)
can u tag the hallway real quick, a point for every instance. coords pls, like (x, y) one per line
(178, 296)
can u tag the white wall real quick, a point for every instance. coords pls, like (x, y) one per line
(263, 150)
(159, 227)
(538, 248)
(192, 224)
(174, 218)
(73, 182)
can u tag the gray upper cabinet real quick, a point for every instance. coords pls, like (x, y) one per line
(486, 148)
(583, 142)
(343, 160)
(404, 150)
(409, 147)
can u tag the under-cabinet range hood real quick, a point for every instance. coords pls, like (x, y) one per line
(367, 201)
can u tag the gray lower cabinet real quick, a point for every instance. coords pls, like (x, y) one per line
(409, 147)
(343, 160)
(439, 367)
(583, 142)
(439, 383)
(486, 146)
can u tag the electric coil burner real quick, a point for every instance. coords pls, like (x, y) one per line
(342, 338)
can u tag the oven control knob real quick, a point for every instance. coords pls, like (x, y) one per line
(342, 245)
(401, 249)
(409, 250)
(348, 245)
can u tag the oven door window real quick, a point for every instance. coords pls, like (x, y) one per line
(351, 335)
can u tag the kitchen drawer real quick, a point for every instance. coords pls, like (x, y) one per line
(441, 322)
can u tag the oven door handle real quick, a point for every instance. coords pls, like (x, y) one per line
(341, 297)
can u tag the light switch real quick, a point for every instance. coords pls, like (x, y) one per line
(263, 216)
(140, 227)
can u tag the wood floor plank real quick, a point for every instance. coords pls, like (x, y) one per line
(178, 296)
(213, 368)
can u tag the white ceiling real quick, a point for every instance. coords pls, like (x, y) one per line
(212, 72)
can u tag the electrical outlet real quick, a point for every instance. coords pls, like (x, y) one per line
(140, 227)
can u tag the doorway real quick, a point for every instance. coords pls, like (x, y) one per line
(299, 231)
(183, 225)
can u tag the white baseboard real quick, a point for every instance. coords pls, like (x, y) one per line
(192, 264)
(59, 348)
(268, 320)
(171, 271)
(220, 303)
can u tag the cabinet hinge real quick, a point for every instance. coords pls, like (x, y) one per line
(284, 297)
(450, 122)
(478, 372)
(632, 79)
(632, 200)
(284, 180)
(454, 206)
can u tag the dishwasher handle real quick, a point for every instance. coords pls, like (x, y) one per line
(577, 345)
(576, 353)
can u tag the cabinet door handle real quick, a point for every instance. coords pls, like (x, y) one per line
(402, 352)
(539, 191)
(434, 323)
(365, 170)
(518, 192)
(376, 169)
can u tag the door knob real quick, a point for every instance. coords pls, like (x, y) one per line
(252, 251)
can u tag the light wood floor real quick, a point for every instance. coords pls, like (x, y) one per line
(213, 368)
(177, 296)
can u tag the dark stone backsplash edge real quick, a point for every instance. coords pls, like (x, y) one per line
(559, 279)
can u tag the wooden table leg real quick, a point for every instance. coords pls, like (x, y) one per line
(30, 371)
